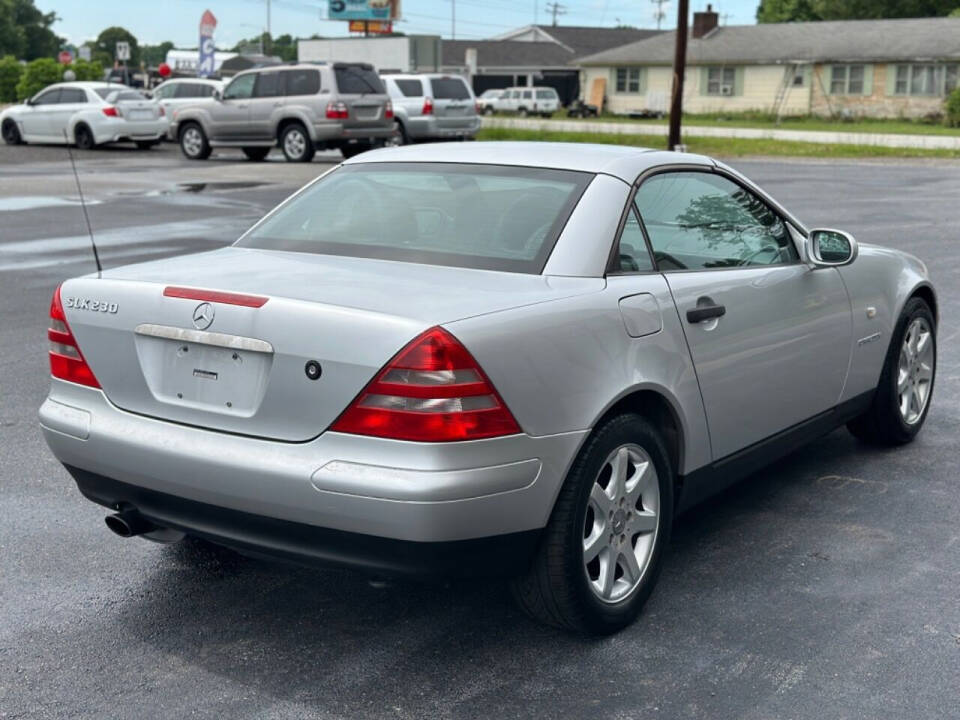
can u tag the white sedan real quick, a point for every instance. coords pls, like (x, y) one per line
(86, 114)
(181, 92)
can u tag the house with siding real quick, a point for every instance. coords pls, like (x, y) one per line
(869, 68)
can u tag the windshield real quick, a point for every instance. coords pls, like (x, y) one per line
(475, 216)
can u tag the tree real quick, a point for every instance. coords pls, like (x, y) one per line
(25, 31)
(953, 108)
(799, 10)
(284, 47)
(153, 55)
(105, 46)
(37, 75)
(10, 72)
(955, 13)
(85, 70)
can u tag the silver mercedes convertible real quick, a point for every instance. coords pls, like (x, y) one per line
(507, 358)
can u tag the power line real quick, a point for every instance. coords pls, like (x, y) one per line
(554, 8)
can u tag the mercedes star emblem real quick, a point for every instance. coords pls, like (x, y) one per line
(203, 316)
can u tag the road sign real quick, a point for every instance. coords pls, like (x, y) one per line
(85, 52)
(123, 50)
(65, 57)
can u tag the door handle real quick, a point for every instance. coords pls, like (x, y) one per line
(705, 312)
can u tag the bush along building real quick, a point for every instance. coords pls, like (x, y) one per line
(856, 68)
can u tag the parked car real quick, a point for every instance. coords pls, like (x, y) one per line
(303, 108)
(180, 92)
(86, 114)
(528, 101)
(486, 101)
(518, 358)
(432, 107)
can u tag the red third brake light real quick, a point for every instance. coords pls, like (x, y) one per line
(66, 360)
(427, 106)
(432, 391)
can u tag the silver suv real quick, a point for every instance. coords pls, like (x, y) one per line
(303, 108)
(432, 107)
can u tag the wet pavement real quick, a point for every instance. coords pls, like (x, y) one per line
(826, 586)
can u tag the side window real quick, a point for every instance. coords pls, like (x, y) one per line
(633, 255)
(72, 95)
(527, 94)
(241, 87)
(165, 91)
(703, 221)
(410, 88)
(50, 97)
(302, 82)
(268, 85)
(205, 91)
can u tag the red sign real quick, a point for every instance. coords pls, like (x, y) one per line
(208, 23)
(374, 27)
(65, 57)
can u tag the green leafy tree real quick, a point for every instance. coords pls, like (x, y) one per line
(952, 114)
(798, 10)
(284, 46)
(37, 75)
(10, 72)
(25, 31)
(87, 70)
(153, 55)
(105, 46)
(955, 13)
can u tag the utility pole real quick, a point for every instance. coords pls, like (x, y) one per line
(556, 8)
(659, 14)
(453, 19)
(679, 68)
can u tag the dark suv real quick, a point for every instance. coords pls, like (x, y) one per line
(301, 107)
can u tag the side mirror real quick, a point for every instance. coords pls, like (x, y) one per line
(217, 95)
(28, 101)
(831, 248)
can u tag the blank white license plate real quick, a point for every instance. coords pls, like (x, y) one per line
(141, 115)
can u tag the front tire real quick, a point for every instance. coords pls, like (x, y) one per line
(902, 400)
(83, 138)
(603, 548)
(296, 144)
(257, 154)
(193, 142)
(11, 133)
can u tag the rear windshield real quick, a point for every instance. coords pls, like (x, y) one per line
(449, 89)
(126, 95)
(474, 216)
(106, 92)
(357, 80)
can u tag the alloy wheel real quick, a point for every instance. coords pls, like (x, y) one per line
(294, 144)
(621, 523)
(915, 371)
(192, 141)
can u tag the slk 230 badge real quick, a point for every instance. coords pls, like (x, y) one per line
(92, 305)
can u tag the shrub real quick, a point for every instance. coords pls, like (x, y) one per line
(952, 114)
(37, 75)
(10, 72)
(87, 70)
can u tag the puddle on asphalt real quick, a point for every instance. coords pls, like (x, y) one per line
(32, 202)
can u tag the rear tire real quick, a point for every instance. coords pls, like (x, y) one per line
(11, 133)
(296, 143)
(903, 396)
(402, 137)
(355, 149)
(257, 154)
(83, 138)
(193, 142)
(603, 522)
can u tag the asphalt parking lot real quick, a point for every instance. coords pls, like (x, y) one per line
(826, 586)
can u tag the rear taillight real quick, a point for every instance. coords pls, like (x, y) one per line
(432, 391)
(478, 108)
(111, 111)
(427, 106)
(66, 360)
(388, 110)
(337, 111)
(163, 113)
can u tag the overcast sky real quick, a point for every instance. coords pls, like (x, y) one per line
(177, 20)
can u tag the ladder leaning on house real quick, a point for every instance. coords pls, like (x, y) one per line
(783, 91)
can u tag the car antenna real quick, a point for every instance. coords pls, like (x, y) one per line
(83, 206)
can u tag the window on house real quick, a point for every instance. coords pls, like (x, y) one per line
(846, 79)
(799, 77)
(628, 80)
(720, 80)
(926, 79)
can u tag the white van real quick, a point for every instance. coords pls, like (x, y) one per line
(528, 101)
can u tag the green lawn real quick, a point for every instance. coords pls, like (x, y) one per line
(766, 121)
(723, 147)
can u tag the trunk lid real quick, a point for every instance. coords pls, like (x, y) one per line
(246, 370)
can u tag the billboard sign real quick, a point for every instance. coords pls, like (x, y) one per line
(382, 10)
(206, 64)
(374, 27)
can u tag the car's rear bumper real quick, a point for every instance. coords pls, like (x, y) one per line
(308, 544)
(337, 133)
(416, 492)
(427, 127)
(130, 130)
